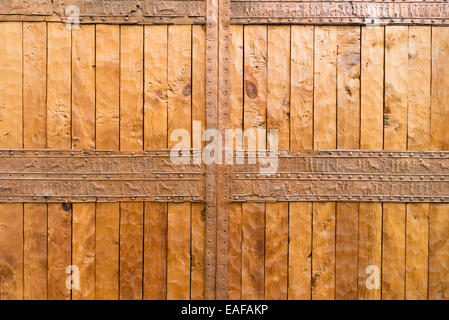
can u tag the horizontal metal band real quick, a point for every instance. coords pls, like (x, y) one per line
(325, 175)
(77, 175)
(374, 12)
(339, 12)
(106, 11)
(359, 176)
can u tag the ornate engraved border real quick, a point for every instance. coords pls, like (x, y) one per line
(337, 12)
(358, 176)
(106, 11)
(374, 12)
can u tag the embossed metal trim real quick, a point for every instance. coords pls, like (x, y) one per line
(97, 176)
(361, 12)
(106, 11)
(211, 170)
(358, 176)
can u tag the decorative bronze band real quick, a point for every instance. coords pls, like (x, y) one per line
(341, 12)
(106, 11)
(96, 176)
(374, 12)
(359, 176)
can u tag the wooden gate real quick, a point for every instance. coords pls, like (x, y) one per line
(92, 98)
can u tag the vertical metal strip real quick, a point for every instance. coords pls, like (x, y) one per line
(211, 123)
(217, 175)
(224, 170)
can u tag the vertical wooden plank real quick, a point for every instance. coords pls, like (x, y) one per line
(199, 80)
(236, 122)
(155, 250)
(131, 138)
(197, 250)
(83, 249)
(371, 137)
(348, 137)
(278, 109)
(417, 224)
(301, 137)
(255, 78)
(59, 136)
(300, 251)
(107, 138)
(301, 104)
(179, 81)
(156, 42)
(439, 213)
(35, 136)
(253, 221)
(155, 241)
(179, 117)
(83, 137)
(395, 138)
(198, 114)
(178, 253)
(325, 134)
(11, 215)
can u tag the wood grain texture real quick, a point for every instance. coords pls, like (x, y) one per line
(106, 251)
(34, 136)
(155, 251)
(300, 251)
(179, 83)
(371, 137)
(301, 87)
(236, 75)
(278, 110)
(107, 55)
(236, 122)
(348, 137)
(179, 117)
(131, 138)
(131, 87)
(276, 250)
(107, 61)
(325, 137)
(253, 251)
(83, 87)
(301, 137)
(59, 250)
(439, 213)
(198, 83)
(395, 138)
(372, 88)
(156, 84)
(198, 233)
(255, 80)
(83, 137)
(370, 250)
(278, 78)
(83, 249)
(11, 215)
(58, 86)
(235, 252)
(178, 251)
(59, 47)
(440, 89)
(393, 251)
(417, 228)
(156, 42)
(34, 85)
(131, 246)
